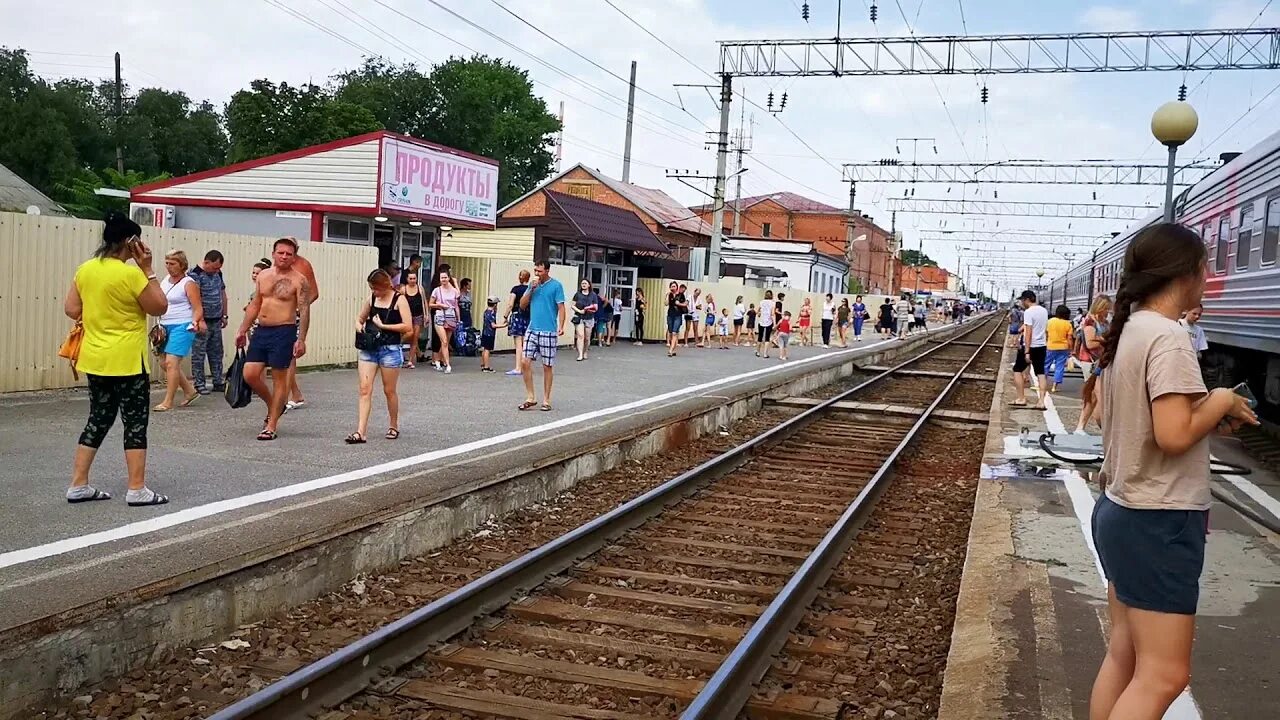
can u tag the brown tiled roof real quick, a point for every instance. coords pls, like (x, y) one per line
(605, 224)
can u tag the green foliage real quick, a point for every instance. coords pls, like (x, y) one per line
(77, 194)
(481, 105)
(855, 286)
(915, 258)
(58, 135)
(269, 118)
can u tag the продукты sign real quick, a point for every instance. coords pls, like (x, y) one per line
(419, 179)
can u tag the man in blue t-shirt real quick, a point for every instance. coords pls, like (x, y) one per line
(544, 305)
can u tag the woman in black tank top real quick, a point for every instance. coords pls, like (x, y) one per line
(386, 317)
(417, 311)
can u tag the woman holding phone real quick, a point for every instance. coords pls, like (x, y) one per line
(1150, 524)
(112, 300)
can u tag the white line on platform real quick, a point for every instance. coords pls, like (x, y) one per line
(1082, 502)
(1255, 493)
(200, 512)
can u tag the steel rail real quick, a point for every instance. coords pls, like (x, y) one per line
(727, 692)
(351, 669)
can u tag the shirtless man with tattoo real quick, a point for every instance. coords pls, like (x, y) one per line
(282, 296)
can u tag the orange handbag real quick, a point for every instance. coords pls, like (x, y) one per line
(71, 347)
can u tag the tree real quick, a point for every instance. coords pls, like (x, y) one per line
(78, 194)
(481, 105)
(163, 131)
(270, 118)
(34, 139)
(915, 258)
(393, 93)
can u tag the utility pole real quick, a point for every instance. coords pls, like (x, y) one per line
(849, 232)
(631, 115)
(919, 256)
(741, 146)
(560, 140)
(119, 115)
(893, 253)
(722, 161)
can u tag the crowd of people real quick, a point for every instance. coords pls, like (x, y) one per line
(404, 321)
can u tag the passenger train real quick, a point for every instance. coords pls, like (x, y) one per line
(1236, 210)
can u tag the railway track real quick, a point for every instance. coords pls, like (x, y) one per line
(673, 604)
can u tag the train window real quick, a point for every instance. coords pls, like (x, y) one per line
(1271, 234)
(1244, 238)
(1224, 241)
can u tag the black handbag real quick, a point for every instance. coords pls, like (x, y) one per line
(238, 392)
(368, 340)
(371, 338)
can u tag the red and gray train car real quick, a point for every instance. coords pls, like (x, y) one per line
(1236, 209)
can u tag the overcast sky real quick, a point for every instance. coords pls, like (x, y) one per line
(210, 50)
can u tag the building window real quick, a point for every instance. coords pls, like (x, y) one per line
(1244, 238)
(596, 256)
(353, 232)
(575, 254)
(555, 253)
(615, 257)
(1224, 241)
(1271, 235)
(766, 230)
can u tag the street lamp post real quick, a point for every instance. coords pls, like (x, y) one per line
(1173, 124)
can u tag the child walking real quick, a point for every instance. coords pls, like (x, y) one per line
(722, 329)
(489, 332)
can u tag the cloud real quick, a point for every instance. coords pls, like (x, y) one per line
(1105, 18)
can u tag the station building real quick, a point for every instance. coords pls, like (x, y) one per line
(397, 193)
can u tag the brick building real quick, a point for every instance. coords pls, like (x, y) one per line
(933, 279)
(788, 216)
(672, 222)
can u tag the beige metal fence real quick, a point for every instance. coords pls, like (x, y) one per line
(39, 256)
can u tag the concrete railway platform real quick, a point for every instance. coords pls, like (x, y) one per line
(88, 592)
(1031, 616)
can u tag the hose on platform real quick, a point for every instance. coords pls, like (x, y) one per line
(1217, 467)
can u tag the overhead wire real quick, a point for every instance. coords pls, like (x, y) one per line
(945, 107)
(328, 31)
(657, 131)
(740, 94)
(554, 68)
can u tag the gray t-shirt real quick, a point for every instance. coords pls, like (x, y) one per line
(1154, 358)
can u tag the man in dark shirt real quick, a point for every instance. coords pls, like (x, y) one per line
(213, 297)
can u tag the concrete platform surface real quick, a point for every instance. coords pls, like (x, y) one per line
(1032, 617)
(231, 494)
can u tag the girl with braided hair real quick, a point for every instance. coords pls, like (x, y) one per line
(1150, 523)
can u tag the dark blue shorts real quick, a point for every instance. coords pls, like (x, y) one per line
(273, 345)
(1152, 558)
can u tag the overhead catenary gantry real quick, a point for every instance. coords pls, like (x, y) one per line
(1079, 211)
(1162, 50)
(1168, 50)
(1023, 172)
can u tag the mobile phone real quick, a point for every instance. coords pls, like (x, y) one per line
(1243, 391)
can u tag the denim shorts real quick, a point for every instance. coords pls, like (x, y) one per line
(1153, 558)
(386, 356)
(674, 323)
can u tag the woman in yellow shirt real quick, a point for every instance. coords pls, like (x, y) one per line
(1058, 341)
(113, 299)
